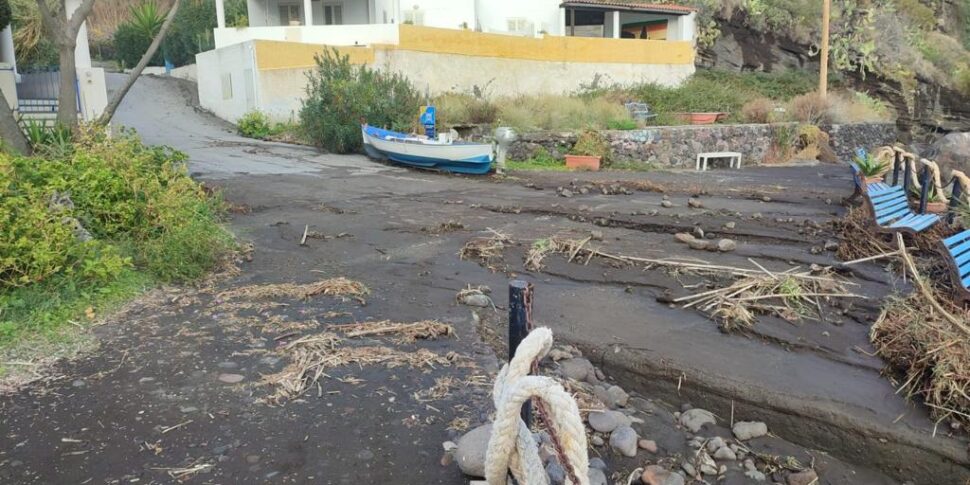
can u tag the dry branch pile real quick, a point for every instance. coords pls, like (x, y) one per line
(341, 287)
(931, 352)
(408, 332)
(487, 250)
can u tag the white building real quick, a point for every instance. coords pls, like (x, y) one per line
(367, 22)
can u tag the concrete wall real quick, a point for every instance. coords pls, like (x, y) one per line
(92, 91)
(316, 34)
(228, 85)
(8, 84)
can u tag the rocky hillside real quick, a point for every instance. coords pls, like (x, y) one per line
(911, 53)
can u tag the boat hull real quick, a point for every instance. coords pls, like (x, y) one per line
(468, 158)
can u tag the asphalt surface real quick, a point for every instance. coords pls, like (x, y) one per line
(814, 383)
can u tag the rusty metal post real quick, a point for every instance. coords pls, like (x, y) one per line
(520, 324)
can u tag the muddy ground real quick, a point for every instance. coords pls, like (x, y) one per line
(151, 403)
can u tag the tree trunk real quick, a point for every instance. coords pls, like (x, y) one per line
(109, 111)
(67, 96)
(10, 132)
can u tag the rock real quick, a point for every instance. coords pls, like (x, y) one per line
(695, 419)
(666, 204)
(715, 443)
(707, 464)
(596, 235)
(683, 237)
(476, 299)
(566, 193)
(231, 378)
(618, 396)
(726, 245)
(597, 463)
(624, 440)
(228, 365)
(746, 430)
(694, 203)
(766, 199)
(556, 355)
(597, 477)
(755, 475)
(470, 453)
(649, 445)
(831, 245)
(557, 474)
(689, 469)
(658, 475)
(698, 232)
(575, 368)
(806, 477)
(78, 383)
(698, 244)
(756, 215)
(725, 453)
(607, 421)
(730, 225)
(952, 152)
(597, 440)
(188, 409)
(601, 393)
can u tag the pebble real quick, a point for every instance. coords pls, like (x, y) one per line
(696, 418)
(689, 469)
(684, 237)
(649, 445)
(766, 199)
(476, 300)
(730, 225)
(557, 474)
(597, 463)
(725, 453)
(803, 478)
(698, 232)
(755, 475)
(666, 204)
(252, 459)
(618, 396)
(726, 245)
(566, 193)
(78, 383)
(698, 244)
(756, 215)
(188, 409)
(695, 203)
(228, 365)
(658, 475)
(831, 245)
(470, 453)
(596, 477)
(449, 446)
(624, 440)
(575, 368)
(269, 361)
(714, 443)
(746, 430)
(597, 440)
(607, 421)
(231, 378)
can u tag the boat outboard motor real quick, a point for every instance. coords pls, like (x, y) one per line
(504, 136)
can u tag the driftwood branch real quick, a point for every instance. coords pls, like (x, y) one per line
(925, 289)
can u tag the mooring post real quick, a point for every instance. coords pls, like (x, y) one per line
(520, 324)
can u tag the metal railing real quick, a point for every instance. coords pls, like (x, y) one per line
(38, 91)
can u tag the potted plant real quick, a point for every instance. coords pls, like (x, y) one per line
(871, 167)
(589, 152)
(935, 204)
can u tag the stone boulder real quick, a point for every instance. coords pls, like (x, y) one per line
(952, 152)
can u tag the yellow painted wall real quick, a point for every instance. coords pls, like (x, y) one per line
(548, 48)
(271, 54)
(583, 50)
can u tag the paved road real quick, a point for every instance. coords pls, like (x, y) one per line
(808, 381)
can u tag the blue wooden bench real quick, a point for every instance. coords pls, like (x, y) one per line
(956, 251)
(863, 188)
(890, 207)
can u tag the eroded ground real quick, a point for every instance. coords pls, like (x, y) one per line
(181, 386)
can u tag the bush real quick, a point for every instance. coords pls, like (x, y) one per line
(255, 124)
(758, 110)
(464, 109)
(131, 45)
(341, 95)
(592, 144)
(112, 204)
(810, 108)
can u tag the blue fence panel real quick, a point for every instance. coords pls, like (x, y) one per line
(38, 90)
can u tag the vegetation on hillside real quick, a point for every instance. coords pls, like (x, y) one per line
(96, 220)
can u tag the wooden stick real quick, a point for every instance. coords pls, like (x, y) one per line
(306, 230)
(871, 258)
(924, 288)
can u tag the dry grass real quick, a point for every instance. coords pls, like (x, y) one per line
(932, 354)
(341, 287)
(313, 356)
(407, 332)
(440, 390)
(487, 250)
(810, 108)
(758, 110)
(858, 240)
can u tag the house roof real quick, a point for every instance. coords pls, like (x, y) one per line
(630, 5)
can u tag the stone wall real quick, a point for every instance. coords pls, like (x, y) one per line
(678, 146)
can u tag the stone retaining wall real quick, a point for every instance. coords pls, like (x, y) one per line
(678, 146)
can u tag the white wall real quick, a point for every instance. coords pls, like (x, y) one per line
(228, 85)
(446, 14)
(385, 12)
(92, 91)
(493, 15)
(315, 34)
(683, 27)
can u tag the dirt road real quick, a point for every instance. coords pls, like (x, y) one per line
(152, 403)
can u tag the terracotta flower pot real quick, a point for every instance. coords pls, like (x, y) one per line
(873, 179)
(583, 162)
(936, 207)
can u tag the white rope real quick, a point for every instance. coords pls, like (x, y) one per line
(512, 446)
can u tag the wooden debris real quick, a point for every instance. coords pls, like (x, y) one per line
(424, 330)
(342, 287)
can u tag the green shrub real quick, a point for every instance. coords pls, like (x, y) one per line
(131, 45)
(622, 124)
(341, 95)
(255, 124)
(592, 144)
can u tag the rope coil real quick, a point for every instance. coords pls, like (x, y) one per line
(512, 447)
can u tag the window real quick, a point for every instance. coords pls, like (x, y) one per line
(333, 14)
(290, 15)
(521, 25)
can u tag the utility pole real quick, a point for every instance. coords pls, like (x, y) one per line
(823, 71)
